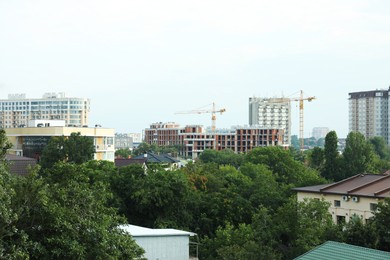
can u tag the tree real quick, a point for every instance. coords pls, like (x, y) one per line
(69, 218)
(332, 167)
(380, 147)
(358, 155)
(224, 157)
(4, 144)
(357, 233)
(74, 149)
(316, 158)
(382, 224)
(123, 153)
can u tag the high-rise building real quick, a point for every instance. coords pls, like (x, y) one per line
(273, 113)
(369, 113)
(320, 132)
(17, 110)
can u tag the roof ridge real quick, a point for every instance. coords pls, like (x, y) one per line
(342, 181)
(368, 183)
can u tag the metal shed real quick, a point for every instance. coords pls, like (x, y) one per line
(161, 244)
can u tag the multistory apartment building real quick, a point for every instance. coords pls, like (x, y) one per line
(369, 113)
(17, 110)
(163, 134)
(271, 113)
(320, 132)
(192, 140)
(123, 141)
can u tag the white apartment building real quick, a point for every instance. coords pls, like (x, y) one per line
(273, 113)
(369, 113)
(17, 110)
(320, 132)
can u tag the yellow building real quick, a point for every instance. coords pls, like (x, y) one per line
(358, 195)
(30, 141)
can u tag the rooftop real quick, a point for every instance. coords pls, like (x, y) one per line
(331, 250)
(366, 185)
(137, 231)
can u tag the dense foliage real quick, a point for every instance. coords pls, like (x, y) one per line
(242, 206)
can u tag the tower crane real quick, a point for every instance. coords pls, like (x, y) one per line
(213, 112)
(301, 100)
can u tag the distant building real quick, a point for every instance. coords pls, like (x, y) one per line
(369, 113)
(17, 110)
(30, 141)
(123, 141)
(320, 132)
(358, 195)
(192, 140)
(162, 244)
(137, 137)
(271, 113)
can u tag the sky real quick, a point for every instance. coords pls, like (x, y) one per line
(140, 62)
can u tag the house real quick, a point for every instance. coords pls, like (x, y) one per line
(358, 195)
(164, 161)
(161, 244)
(19, 165)
(336, 251)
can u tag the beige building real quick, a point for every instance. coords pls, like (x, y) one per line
(358, 195)
(30, 141)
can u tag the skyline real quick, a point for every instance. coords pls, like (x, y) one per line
(140, 62)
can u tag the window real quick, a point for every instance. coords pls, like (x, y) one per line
(373, 206)
(337, 203)
(340, 220)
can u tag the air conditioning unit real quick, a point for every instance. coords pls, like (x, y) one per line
(355, 199)
(345, 198)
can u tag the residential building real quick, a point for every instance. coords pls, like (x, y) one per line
(162, 244)
(320, 132)
(30, 141)
(192, 140)
(18, 110)
(369, 113)
(331, 250)
(271, 113)
(358, 195)
(123, 141)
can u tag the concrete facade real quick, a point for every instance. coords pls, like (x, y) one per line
(369, 113)
(17, 110)
(358, 195)
(192, 140)
(272, 113)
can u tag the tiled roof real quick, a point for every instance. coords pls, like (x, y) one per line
(155, 158)
(19, 165)
(126, 162)
(331, 250)
(367, 185)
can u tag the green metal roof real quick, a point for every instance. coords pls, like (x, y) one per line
(331, 250)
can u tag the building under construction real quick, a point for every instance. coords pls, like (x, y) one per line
(192, 140)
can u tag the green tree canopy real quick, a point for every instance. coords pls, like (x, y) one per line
(74, 149)
(358, 155)
(332, 165)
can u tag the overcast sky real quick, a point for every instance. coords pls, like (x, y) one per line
(141, 61)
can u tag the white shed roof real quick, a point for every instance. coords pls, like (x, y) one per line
(137, 231)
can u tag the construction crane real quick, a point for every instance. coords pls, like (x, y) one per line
(301, 100)
(213, 112)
